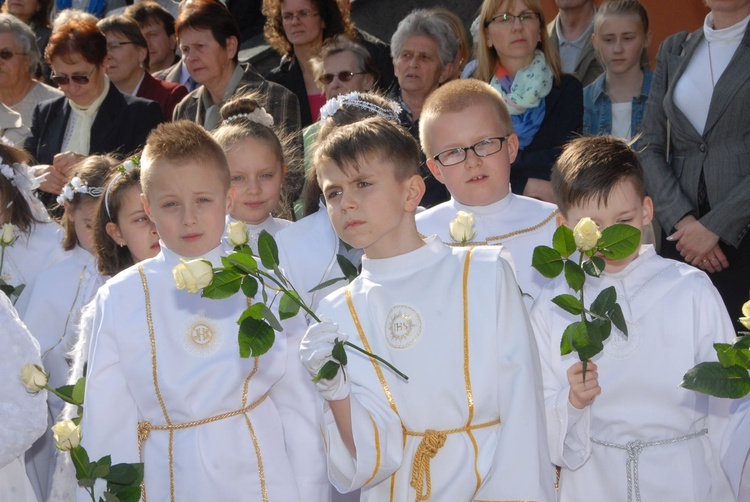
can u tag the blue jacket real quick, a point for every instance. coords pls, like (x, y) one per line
(597, 107)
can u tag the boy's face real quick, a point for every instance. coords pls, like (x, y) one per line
(477, 181)
(188, 203)
(371, 209)
(625, 206)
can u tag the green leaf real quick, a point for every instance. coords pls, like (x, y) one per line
(741, 342)
(125, 474)
(249, 286)
(714, 379)
(268, 251)
(347, 267)
(79, 389)
(563, 241)
(599, 330)
(586, 345)
(224, 284)
(327, 283)
(339, 352)
(244, 262)
(594, 266)
(101, 467)
(604, 301)
(255, 337)
(254, 311)
(270, 318)
(729, 356)
(328, 371)
(129, 494)
(615, 315)
(81, 462)
(67, 392)
(619, 241)
(288, 305)
(547, 261)
(574, 275)
(569, 303)
(566, 344)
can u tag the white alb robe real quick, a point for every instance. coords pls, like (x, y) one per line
(31, 253)
(674, 315)
(516, 222)
(200, 375)
(411, 312)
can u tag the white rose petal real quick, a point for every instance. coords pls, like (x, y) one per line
(237, 233)
(193, 275)
(33, 377)
(745, 319)
(586, 234)
(462, 228)
(67, 435)
(8, 234)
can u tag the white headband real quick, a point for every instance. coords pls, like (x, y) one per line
(75, 186)
(124, 168)
(259, 116)
(356, 100)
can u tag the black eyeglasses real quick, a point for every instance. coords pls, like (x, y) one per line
(6, 54)
(507, 20)
(344, 76)
(483, 148)
(78, 79)
(302, 15)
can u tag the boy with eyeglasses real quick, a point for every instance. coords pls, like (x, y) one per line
(467, 136)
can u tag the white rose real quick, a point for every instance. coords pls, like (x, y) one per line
(193, 275)
(745, 319)
(128, 165)
(462, 228)
(237, 233)
(586, 234)
(8, 234)
(76, 182)
(67, 435)
(33, 377)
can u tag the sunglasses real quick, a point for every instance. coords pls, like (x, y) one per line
(6, 54)
(78, 79)
(343, 76)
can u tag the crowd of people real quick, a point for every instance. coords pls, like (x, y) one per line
(407, 185)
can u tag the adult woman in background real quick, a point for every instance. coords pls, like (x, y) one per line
(128, 65)
(296, 29)
(19, 59)
(697, 159)
(514, 55)
(35, 13)
(92, 117)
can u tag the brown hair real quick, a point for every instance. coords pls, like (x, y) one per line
(148, 12)
(93, 171)
(177, 141)
(14, 204)
(209, 15)
(335, 22)
(40, 18)
(487, 57)
(456, 96)
(128, 28)
(77, 37)
(590, 167)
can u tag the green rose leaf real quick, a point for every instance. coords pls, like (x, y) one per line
(125, 474)
(615, 315)
(268, 251)
(328, 371)
(619, 241)
(81, 461)
(254, 311)
(244, 262)
(563, 241)
(347, 267)
(249, 286)
(66, 393)
(339, 352)
(714, 379)
(224, 284)
(547, 261)
(125, 494)
(594, 266)
(729, 356)
(101, 468)
(741, 342)
(604, 301)
(599, 330)
(570, 333)
(255, 337)
(270, 318)
(569, 303)
(327, 283)
(79, 389)
(574, 275)
(289, 305)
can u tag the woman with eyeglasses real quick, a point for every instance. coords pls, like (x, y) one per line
(546, 106)
(92, 117)
(296, 29)
(36, 14)
(128, 64)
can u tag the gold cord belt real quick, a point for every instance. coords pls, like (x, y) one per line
(431, 442)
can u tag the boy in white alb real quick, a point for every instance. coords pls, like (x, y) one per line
(467, 136)
(629, 432)
(166, 384)
(468, 424)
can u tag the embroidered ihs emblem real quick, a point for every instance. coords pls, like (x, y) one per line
(201, 336)
(402, 327)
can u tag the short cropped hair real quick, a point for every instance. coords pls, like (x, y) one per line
(24, 38)
(372, 138)
(456, 96)
(178, 141)
(209, 15)
(80, 37)
(423, 22)
(338, 45)
(590, 167)
(148, 12)
(128, 28)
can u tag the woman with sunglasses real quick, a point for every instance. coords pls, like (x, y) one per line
(36, 14)
(92, 117)
(516, 58)
(297, 29)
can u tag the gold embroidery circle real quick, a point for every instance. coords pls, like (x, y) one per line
(201, 336)
(403, 327)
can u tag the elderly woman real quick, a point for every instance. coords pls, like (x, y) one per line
(128, 64)
(93, 117)
(35, 13)
(209, 41)
(697, 128)
(19, 59)
(424, 48)
(546, 106)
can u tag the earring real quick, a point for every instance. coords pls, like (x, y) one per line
(122, 244)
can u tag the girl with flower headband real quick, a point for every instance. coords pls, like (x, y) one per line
(257, 165)
(37, 244)
(52, 305)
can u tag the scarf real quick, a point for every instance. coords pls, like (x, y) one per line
(96, 7)
(80, 138)
(213, 117)
(524, 95)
